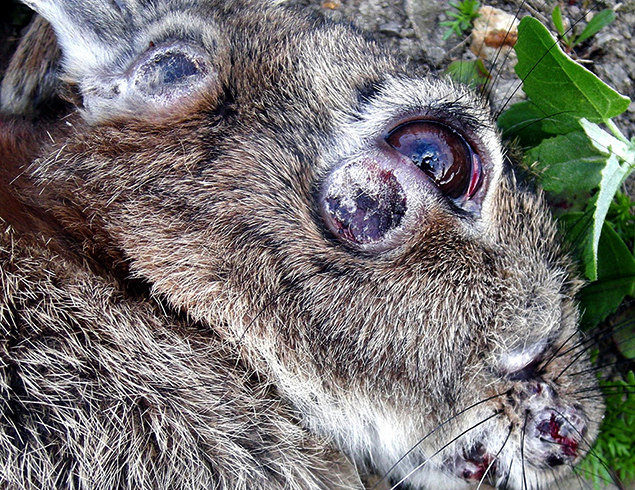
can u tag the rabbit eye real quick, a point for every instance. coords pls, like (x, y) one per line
(166, 70)
(169, 68)
(441, 153)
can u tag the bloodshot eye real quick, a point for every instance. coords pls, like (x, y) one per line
(442, 154)
(378, 197)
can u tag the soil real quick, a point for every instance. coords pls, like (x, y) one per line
(412, 27)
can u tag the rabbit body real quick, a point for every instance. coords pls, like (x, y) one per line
(220, 271)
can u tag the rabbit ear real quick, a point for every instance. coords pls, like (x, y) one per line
(130, 58)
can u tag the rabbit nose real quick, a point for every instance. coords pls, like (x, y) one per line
(558, 433)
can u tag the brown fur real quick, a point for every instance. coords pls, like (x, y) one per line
(31, 85)
(201, 328)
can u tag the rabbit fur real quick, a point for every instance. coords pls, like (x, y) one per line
(182, 308)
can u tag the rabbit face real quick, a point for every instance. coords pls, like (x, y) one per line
(353, 229)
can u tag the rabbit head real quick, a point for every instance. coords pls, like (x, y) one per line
(349, 225)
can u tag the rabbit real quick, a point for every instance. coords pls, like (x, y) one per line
(246, 248)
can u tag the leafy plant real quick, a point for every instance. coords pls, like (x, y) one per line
(614, 450)
(464, 13)
(622, 215)
(579, 162)
(472, 73)
(582, 160)
(597, 23)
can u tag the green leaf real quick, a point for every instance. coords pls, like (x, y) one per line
(616, 279)
(622, 216)
(624, 334)
(607, 143)
(560, 87)
(469, 8)
(556, 16)
(611, 181)
(523, 121)
(473, 73)
(597, 23)
(448, 32)
(612, 175)
(567, 163)
(465, 12)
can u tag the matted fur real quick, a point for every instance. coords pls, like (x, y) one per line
(176, 314)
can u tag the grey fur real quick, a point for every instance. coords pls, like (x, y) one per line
(175, 313)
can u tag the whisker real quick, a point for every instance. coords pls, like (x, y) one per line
(257, 315)
(418, 467)
(580, 225)
(583, 483)
(586, 344)
(575, 359)
(600, 388)
(601, 397)
(489, 85)
(487, 470)
(509, 472)
(522, 450)
(587, 473)
(555, 354)
(248, 327)
(602, 366)
(625, 385)
(458, 414)
(519, 128)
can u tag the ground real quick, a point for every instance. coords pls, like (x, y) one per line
(412, 26)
